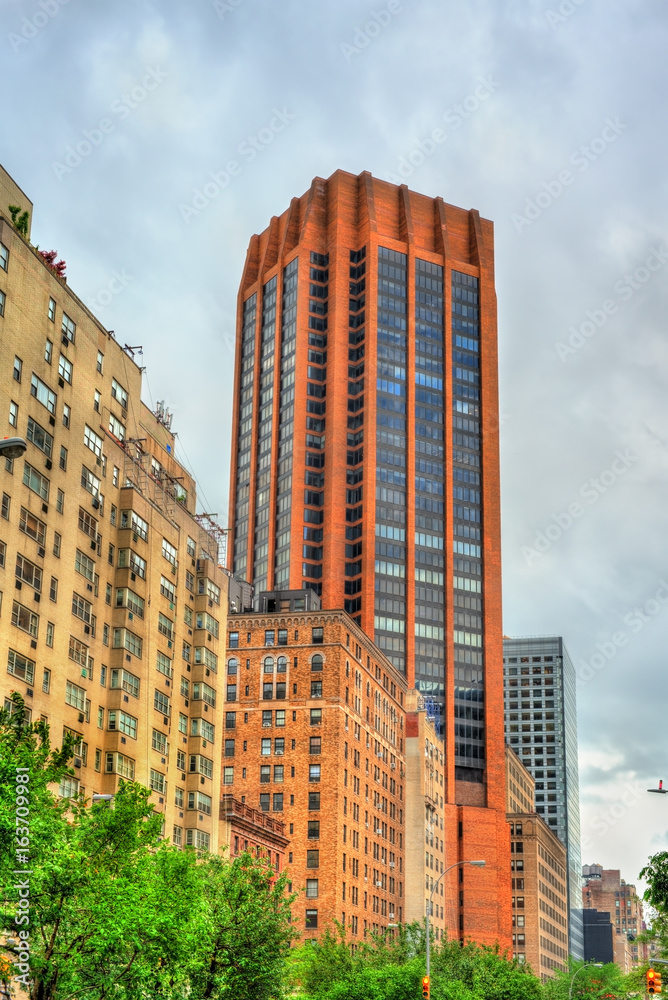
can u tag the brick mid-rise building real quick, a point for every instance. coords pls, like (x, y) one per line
(605, 889)
(314, 736)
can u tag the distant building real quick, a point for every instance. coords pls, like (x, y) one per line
(425, 854)
(538, 879)
(243, 828)
(541, 726)
(604, 889)
(598, 937)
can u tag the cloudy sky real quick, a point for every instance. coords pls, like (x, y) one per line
(553, 117)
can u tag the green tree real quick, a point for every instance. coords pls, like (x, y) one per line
(118, 912)
(588, 982)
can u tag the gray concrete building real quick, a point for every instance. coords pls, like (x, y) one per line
(541, 726)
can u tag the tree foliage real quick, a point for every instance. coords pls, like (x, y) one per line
(118, 912)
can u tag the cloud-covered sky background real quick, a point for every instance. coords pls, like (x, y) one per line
(358, 94)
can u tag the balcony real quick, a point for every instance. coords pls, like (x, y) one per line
(231, 807)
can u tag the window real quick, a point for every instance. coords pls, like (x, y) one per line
(313, 829)
(13, 414)
(68, 788)
(204, 620)
(131, 519)
(68, 328)
(268, 665)
(210, 660)
(313, 859)
(159, 741)
(126, 681)
(311, 923)
(65, 369)
(314, 801)
(265, 747)
(156, 781)
(114, 475)
(63, 458)
(229, 748)
(66, 415)
(161, 702)
(4, 257)
(201, 765)
(90, 482)
(84, 565)
(316, 662)
(3, 299)
(5, 506)
(315, 745)
(230, 720)
(120, 764)
(279, 746)
(78, 651)
(311, 888)
(315, 716)
(269, 637)
(200, 802)
(20, 666)
(167, 589)
(18, 369)
(119, 393)
(316, 689)
(35, 481)
(116, 428)
(32, 526)
(125, 639)
(28, 573)
(3, 553)
(169, 552)
(121, 722)
(56, 544)
(39, 437)
(25, 619)
(50, 627)
(280, 717)
(279, 771)
(93, 441)
(39, 390)
(60, 501)
(314, 772)
(126, 598)
(100, 361)
(277, 802)
(233, 642)
(75, 696)
(316, 635)
(228, 775)
(265, 774)
(202, 692)
(165, 626)
(264, 801)
(128, 559)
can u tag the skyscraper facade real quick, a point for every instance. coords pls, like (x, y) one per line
(541, 726)
(365, 451)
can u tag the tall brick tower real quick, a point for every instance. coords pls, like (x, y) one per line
(365, 458)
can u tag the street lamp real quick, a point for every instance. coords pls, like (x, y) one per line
(588, 965)
(457, 864)
(12, 447)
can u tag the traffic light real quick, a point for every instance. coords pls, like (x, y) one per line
(425, 987)
(653, 982)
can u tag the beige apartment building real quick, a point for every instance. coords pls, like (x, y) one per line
(425, 852)
(538, 878)
(113, 606)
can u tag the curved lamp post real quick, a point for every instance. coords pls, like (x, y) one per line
(457, 864)
(589, 965)
(12, 447)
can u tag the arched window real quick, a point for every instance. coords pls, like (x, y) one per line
(281, 664)
(268, 664)
(316, 662)
(232, 665)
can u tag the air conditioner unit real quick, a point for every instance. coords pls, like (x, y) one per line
(171, 606)
(77, 761)
(123, 739)
(81, 717)
(84, 672)
(29, 692)
(89, 586)
(87, 629)
(174, 570)
(391, 864)
(93, 546)
(378, 884)
(366, 825)
(18, 584)
(65, 341)
(96, 503)
(98, 461)
(379, 830)
(33, 644)
(41, 552)
(61, 383)
(133, 576)
(37, 598)
(52, 421)
(45, 508)
(135, 537)
(130, 616)
(391, 916)
(125, 698)
(48, 463)
(393, 766)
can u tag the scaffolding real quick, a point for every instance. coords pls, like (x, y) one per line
(213, 532)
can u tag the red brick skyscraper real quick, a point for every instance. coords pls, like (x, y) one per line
(365, 463)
